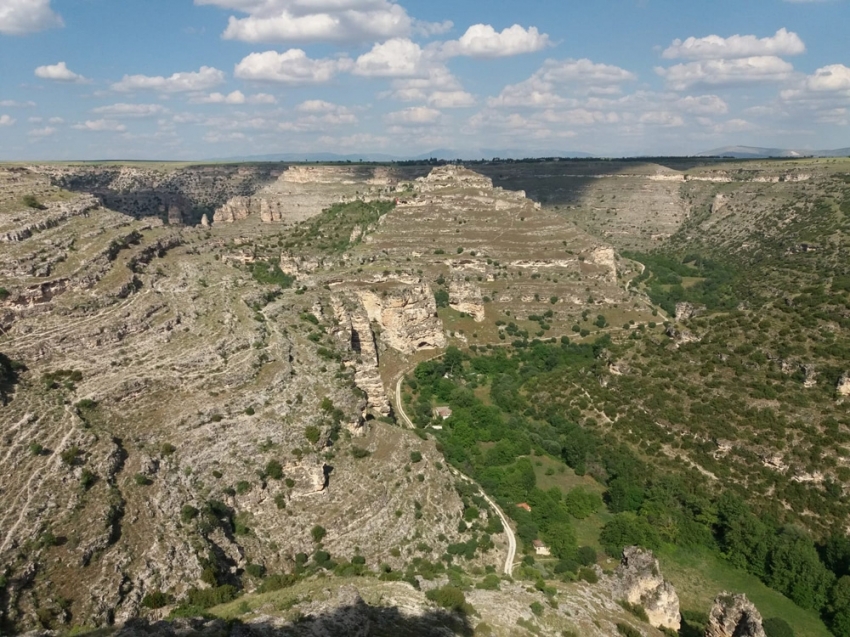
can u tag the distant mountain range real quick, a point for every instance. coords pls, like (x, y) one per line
(439, 153)
(754, 152)
(446, 154)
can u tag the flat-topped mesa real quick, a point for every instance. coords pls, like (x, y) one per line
(734, 616)
(639, 581)
(454, 176)
(368, 175)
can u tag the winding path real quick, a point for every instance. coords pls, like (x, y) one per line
(509, 560)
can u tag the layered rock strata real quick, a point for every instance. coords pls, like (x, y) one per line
(639, 582)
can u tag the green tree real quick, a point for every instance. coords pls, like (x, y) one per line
(795, 569)
(627, 529)
(582, 503)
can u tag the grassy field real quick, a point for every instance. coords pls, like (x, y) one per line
(699, 576)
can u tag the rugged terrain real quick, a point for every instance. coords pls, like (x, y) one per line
(200, 363)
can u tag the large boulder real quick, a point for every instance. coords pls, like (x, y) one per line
(639, 582)
(734, 616)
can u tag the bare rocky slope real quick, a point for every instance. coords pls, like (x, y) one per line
(206, 359)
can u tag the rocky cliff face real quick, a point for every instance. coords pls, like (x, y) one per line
(466, 297)
(268, 210)
(734, 616)
(639, 581)
(843, 387)
(355, 333)
(407, 316)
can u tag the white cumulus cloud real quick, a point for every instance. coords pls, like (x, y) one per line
(783, 43)
(16, 104)
(451, 99)
(59, 73)
(101, 125)
(727, 72)
(19, 17)
(703, 105)
(291, 67)
(41, 133)
(129, 110)
(398, 57)
(414, 115)
(483, 41)
(541, 90)
(835, 77)
(234, 98)
(319, 20)
(6, 120)
(192, 81)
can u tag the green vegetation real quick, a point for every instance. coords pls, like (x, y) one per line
(31, 201)
(717, 285)
(333, 230)
(653, 505)
(269, 273)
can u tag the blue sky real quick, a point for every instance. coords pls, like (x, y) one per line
(195, 79)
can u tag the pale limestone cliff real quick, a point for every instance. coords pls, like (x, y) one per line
(639, 581)
(353, 329)
(734, 616)
(605, 258)
(685, 311)
(843, 387)
(407, 316)
(268, 210)
(466, 297)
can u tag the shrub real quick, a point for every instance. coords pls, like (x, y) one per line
(489, 583)
(537, 608)
(448, 597)
(87, 479)
(243, 487)
(188, 513)
(776, 627)
(250, 411)
(415, 456)
(142, 480)
(628, 631)
(635, 609)
(277, 582)
(586, 556)
(167, 449)
(255, 570)
(360, 452)
(31, 201)
(207, 598)
(318, 533)
(274, 470)
(588, 575)
(155, 600)
(312, 433)
(36, 449)
(280, 501)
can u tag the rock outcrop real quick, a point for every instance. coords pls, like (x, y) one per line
(56, 215)
(639, 581)
(407, 317)
(238, 208)
(685, 311)
(734, 616)
(682, 337)
(843, 387)
(467, 298)
(353, 328)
